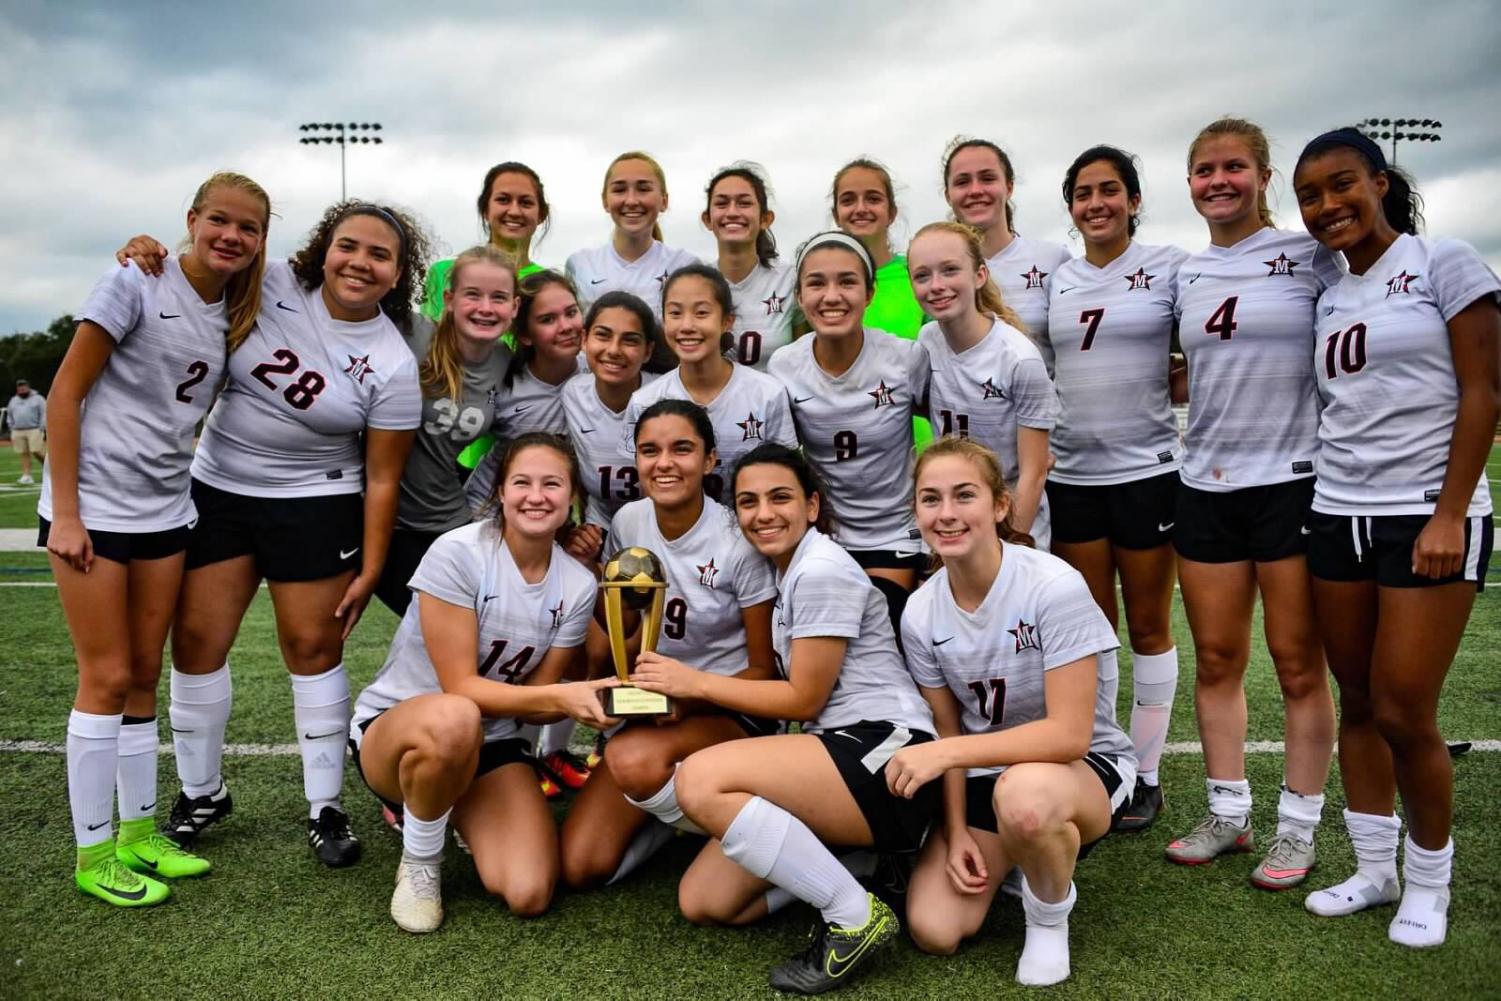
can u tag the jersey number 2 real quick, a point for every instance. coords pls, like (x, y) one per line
(992, 698)
(302, 392)
(197, 372)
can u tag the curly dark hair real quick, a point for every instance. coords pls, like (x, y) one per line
(414, 253)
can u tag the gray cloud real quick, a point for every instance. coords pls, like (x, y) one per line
(110, 115)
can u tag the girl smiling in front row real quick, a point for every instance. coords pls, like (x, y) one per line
(739, 215)
(1033, 702)
(854, 395)
(988, 379)
(717, 618)
(1110, 321)
(772, 803)
(746, 407)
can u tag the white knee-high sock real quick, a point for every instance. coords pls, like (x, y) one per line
(1298, 814)
(198, 714)
(861, 863)
(423, 839)
(1044, 957)
(555, 737)
(769, 842)
(1422, 920)
(93, 751)
(1154, 681)
(1230, 799)
(135, 774)
(663, 804)
(320, 703)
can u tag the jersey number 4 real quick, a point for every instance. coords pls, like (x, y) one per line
(992, 698)
(303, 391)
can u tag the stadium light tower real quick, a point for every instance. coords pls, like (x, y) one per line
(345, 134)
(1391, 128)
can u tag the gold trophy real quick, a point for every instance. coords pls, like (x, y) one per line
(633, 576)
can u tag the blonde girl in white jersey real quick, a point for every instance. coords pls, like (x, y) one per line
(1246, 309)
(635, 258)
(738, 213)
(1402, 524)
(115, 513)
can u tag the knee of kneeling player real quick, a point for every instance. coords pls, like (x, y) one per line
(935, 935)
(1025, 809)
(638, 768)
(526, 898)
(586, 865)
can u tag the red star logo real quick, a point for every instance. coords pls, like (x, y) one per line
(1026, 636)
(359, 368)
(1281, 266)
(1398, 283)
(773, 303)
(1139, 280)
(557, 614)
(751, 427)
(661, 279)
(988, 391)
(882, 394)
(1033, 278)
(707, 573)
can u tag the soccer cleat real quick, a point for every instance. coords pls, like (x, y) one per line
(1139, 814)
(566, 769)
(25, 480)
(154, 854)
(550, 789)
(836, 952)
(331, 839)
(1213, 837)
(417, 903)
(100, 874)
(393, 820)
(1287, 863)
(1354, 894)
(191, 815)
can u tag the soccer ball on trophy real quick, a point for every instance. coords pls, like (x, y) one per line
(638, 573)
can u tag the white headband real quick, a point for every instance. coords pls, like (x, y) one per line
(837, 237)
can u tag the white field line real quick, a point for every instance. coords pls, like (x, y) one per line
(290, 750)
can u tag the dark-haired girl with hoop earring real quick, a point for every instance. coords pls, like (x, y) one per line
(321, 406)
(738, 213)
(1401, 531)
(717, 617)
(1112, 490)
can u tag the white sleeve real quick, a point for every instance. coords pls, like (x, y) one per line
(115, 302)
(823, 603)
(918, 369)
(580, 610)
(1459, 277)
(755, 581)
(398, 402)
(1033, 392)
(1327, 267)
(1069, 623)
(921, 663)
(780, 428)
(450, 571)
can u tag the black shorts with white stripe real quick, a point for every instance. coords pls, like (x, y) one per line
(979, 792)
(1343, 547)
(860, 752)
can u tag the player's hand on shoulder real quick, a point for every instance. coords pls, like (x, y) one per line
(965, 864)
(1440, 547)
(69, 541)
(146, 251)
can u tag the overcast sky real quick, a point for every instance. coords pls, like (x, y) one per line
(111, 114)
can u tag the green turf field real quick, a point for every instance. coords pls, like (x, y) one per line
(272, 923)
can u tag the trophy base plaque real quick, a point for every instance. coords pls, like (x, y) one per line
(628, 701)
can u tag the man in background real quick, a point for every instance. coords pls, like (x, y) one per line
(27, 411)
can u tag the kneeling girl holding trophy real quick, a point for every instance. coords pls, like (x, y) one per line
(501, 614)
(709, 595)
(773, 804)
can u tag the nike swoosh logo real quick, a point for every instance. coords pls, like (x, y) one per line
(491, 597)
(1065, 291)
(836, 965)
(169, 316)
(1328, 310)
(596, 281)
(1163, 528)
(176, 730)
(521, 410)
(147, 861)
(344, 556)
(1284, 873)
(95, 827)
(942, 641)
(282, 305)
(843, 733)
(322, 736)
(586, 430)
(1305, 530)
(126, 894)
(804, 399)
(1222, 789)
(148, 808)
(1196, 277)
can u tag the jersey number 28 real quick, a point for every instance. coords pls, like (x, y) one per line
(303, 390)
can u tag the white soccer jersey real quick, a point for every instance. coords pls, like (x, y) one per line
(825, 593)
(528, 404)
(750, 409)
(302, 387)
(856, 430)
(598, 436)
(1386, 378)
(764, 309)
(1038, 616)
(1111, 329)
(135, 439)
(1245, 320)
(518, 622)
(1024, 273)
(600, 269)
(712, 573)
(988, 391)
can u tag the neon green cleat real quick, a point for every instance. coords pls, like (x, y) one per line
(102, 875)
(141, 848)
